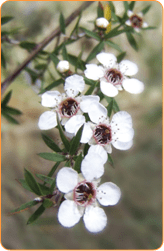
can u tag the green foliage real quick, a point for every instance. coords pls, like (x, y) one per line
(52, 186)
(6, 19)
(113, 45)
(91, 34)
(47, 203)
(132, 41)
(75, 141)
(112, 102)
(91, 89)
(126, 5)
(131, 5)
(52, 157)
(110, 160)
(76, 28)
(146, 9)
(31, 182)
(64, 52)
(52, 85)
(121, 56)
(115, 106)
(98, 48)
(77, 62)
(6, 99)
(29, 46)
(53, 169)
(110, 106)
(62, 23)
(45, 178)
(100, 10)
(25, 206)
(54, 59)
(63, 137)
(36, 214)
(78, 161)
(86, 147)
(89, 81)
(50, 143)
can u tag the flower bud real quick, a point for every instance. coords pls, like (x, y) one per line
(102, 22)
(63, 66)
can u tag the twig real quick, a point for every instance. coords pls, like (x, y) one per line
(41, 45)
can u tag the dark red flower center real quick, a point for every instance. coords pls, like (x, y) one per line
(68, 107)
(114, 76)
(136, 21)
(84, 193)
(102, 134)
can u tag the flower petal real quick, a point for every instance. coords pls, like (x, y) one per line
(94, 71)
(108, 89)
(144, 25)
(108, 148)
(47, 120)
(74, 123)
(108, 194)
(125, 136)
(137, 29)
(133, 85)
(97, 112)
(51, 98)
(92, 166)
(68, 214)
(106, 59)
(130, 13)
(128, 22)
(94, 219)
(66, 179)
(120, 120)
(86, 133)
(128, 68)
(87, 101)
(73, 85)
(100, 151)
(122, 145)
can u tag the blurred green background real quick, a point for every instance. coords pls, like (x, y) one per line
(136, 222)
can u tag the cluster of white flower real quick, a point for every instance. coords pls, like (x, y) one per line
(83, 194)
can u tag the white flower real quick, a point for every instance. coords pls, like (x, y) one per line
(113, 76)
(102, 22)
(83, 198)
(118, 132)
(66, 105)
(136, 21)
(63, 66)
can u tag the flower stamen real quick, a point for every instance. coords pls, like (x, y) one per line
(68, 107)
(114, 76)
(136, 21)
(84, 193)
(102, 134)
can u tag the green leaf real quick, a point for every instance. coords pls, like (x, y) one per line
(112, 6)
(91, 89)
(63, 137)
(115, 106)
(62, 23)
(28, 45)
(132, 41)
(110, 160)
(75, 141)
(47, 203)
(50, 143)
(78, 161)
(126, 6)
(25, 185)
(100, 10)
(52, 156)
(12, 110)
(149, 28)
(146, 9)
(6, 19)
(114, 32)
(6, 99)
(31, 182)
(100, 94)
(86, 147)
(45, 190)
(110, 107)
(74, 61)
(32, 73)
(120, 57)
(52, 186)
(89, 81)
(9, 118)
(98, 48)
(40, 66)
(52, 85)
(115, 46)
(45, 178)
(75, 29)
(53, 169)
(25, 206)
(3, 60)
(131, 5)
(36, 214)
(64, 53)
(91, 34)
(54, 59)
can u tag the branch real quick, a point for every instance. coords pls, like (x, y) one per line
(41, 45)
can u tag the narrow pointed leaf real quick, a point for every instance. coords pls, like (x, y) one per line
(110, 107)
(146, 9)
(91, 34)
(28, 45)
(52, 85)
(24, 185)
(76, 141)
(36, 214)
(89, 81)
(6, 98)
(52, 156)
(86, 147)
(98, 48)
(78, 161)
(100, 94)
(149, 28)
(54, 59)
(24, 206)
(52, 186)
(62, 23)
(63, 137)
(75, 61)
(111, 44)
(9, 118)
(100, 10)
(12, 110)
(50, 143)
(112, 6)
(53, 169)
(126, 5)
(110, 160)
(131, 5)
(132, 41)
(45, 190)
(75, 29)
(120, 57)
(45, 178)
(64, 52)
(115, 106)
(47, 203)
(91, 89)
(6, 19)
(31, 182)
